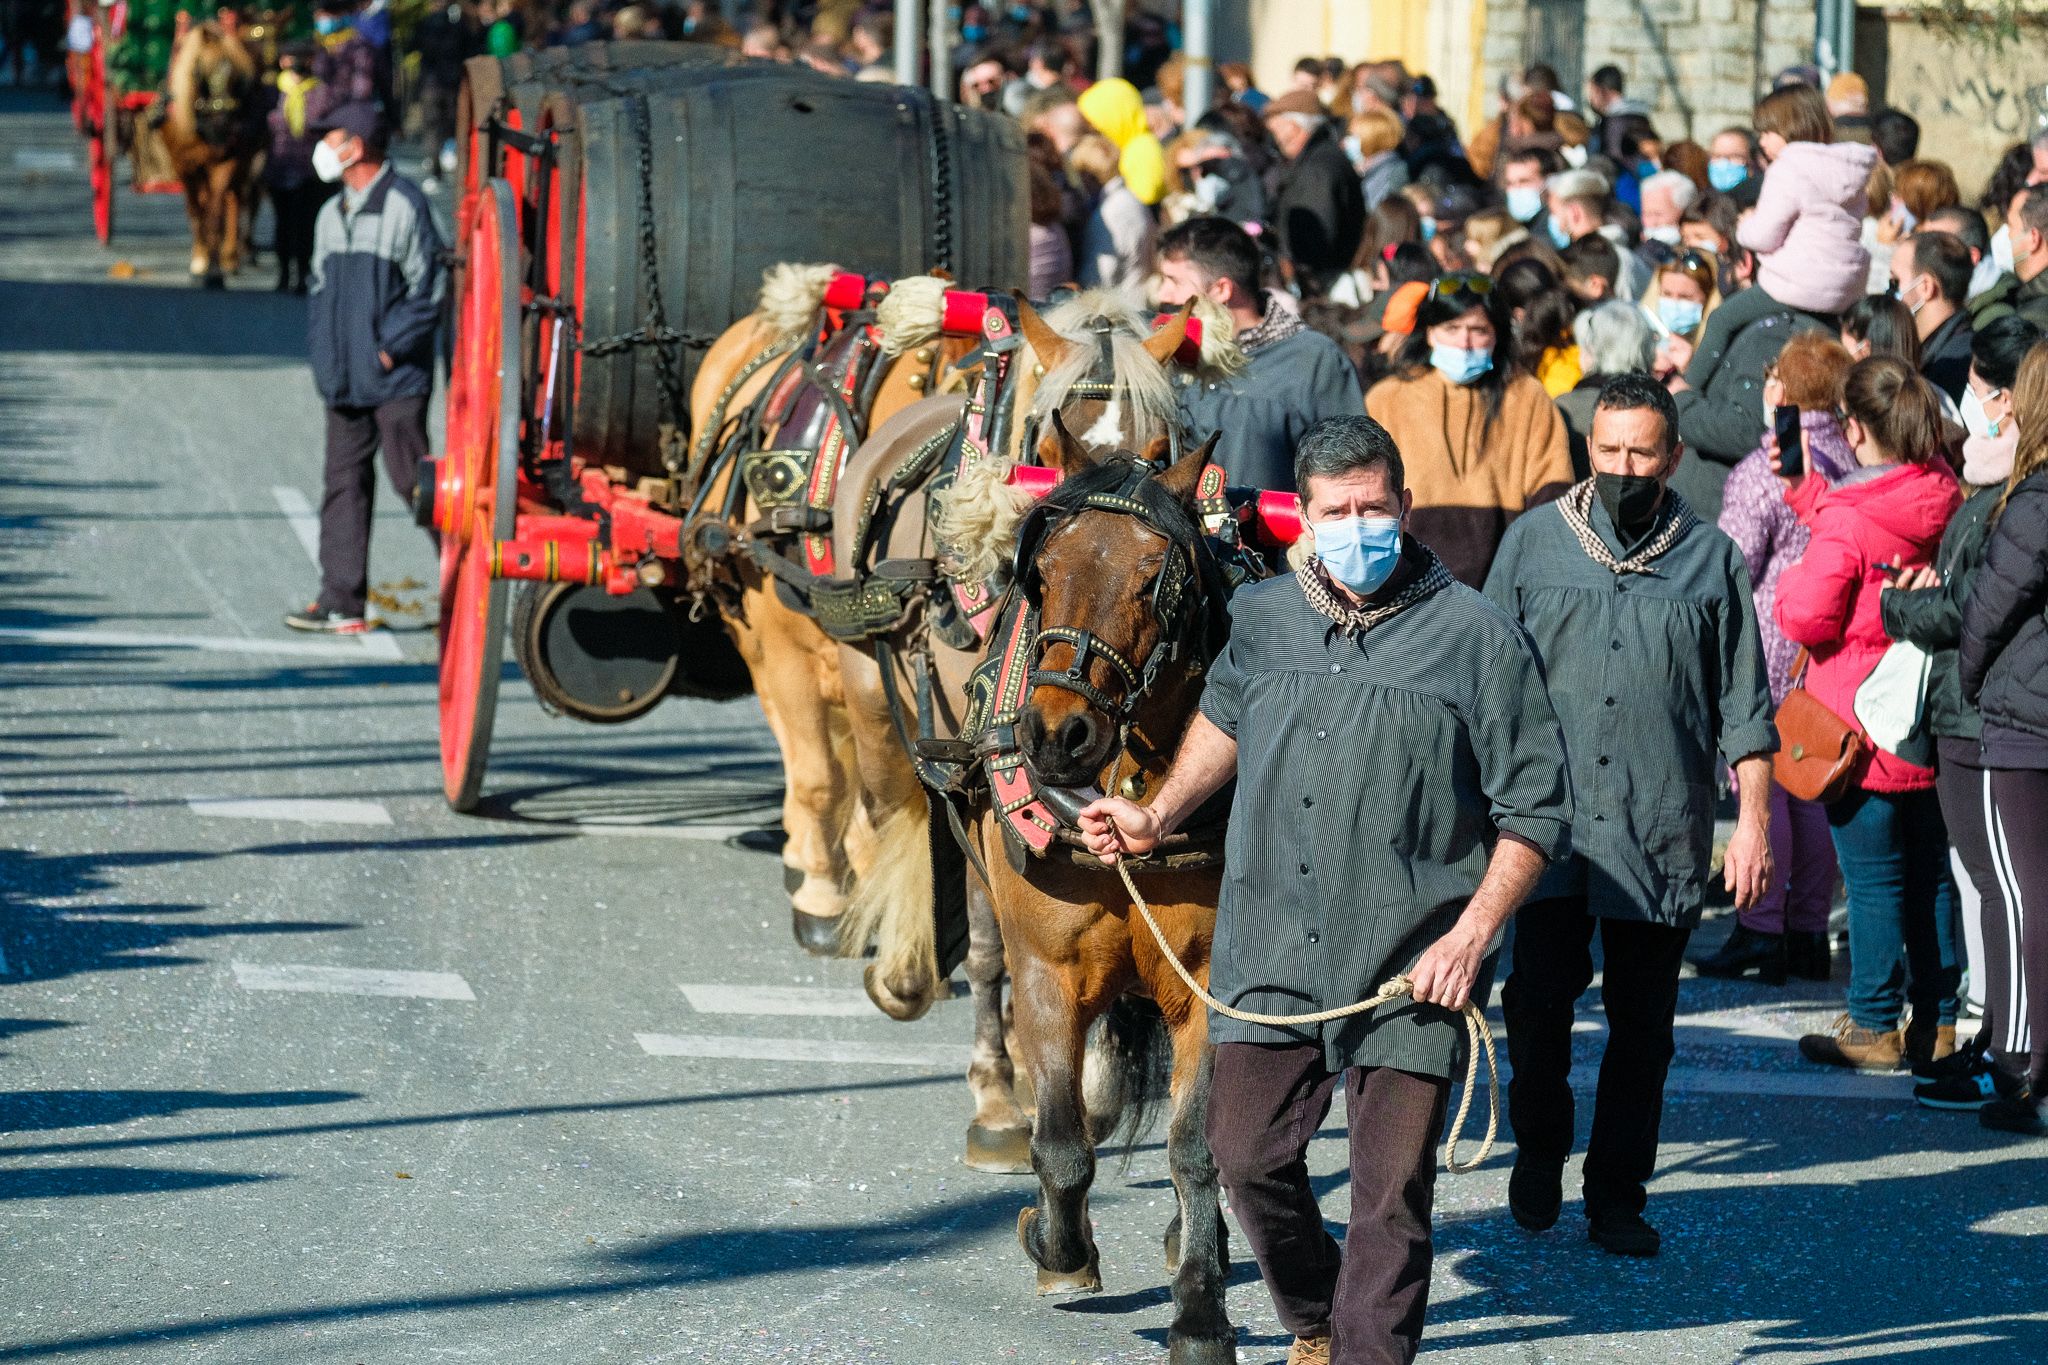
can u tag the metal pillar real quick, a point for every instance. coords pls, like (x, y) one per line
(1834, 36)
(909, 19)
(1196, 51)
(942, 54)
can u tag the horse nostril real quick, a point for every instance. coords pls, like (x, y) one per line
(1077, 735)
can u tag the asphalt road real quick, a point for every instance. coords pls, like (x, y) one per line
(298, 1066)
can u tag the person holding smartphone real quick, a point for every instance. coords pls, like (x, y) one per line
(1785, 931)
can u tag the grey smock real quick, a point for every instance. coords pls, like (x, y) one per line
(1374, 775)
(1658, 679)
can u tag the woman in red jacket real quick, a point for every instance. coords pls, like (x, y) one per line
(1887, 515)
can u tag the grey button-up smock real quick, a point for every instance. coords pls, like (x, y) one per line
(1658, 679)
(1374, 775)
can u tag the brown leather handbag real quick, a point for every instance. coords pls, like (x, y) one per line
(1819, 754)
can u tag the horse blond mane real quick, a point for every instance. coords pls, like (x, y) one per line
(979, 515)
(911, 314)
(1222, 357)
(791, 295)
(203, 46)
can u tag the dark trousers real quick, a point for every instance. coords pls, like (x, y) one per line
(1265, 1105)
(296, 207)
(1965, 794)
(1639, 991)
(2019, 801)
(354, 436)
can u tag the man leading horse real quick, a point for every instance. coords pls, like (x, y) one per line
(1400, 787)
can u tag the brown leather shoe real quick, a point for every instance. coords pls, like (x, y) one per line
(1309, 1351)
(1859, 1048)
(1928, 1042)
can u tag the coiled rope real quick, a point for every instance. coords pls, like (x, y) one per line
(1478, 1036)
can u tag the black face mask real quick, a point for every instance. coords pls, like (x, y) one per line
(1631, 501)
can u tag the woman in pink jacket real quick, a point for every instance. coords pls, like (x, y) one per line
(1808, 224)
(1885, 516)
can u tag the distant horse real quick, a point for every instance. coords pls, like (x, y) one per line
(209, 137)
(749, 397)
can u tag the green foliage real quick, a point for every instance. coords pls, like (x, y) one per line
(1990, 26)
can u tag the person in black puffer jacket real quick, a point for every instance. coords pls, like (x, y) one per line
(2002, 667)
(1925, 607)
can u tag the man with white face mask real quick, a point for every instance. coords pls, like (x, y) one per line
(374, 304)
(1400, 787)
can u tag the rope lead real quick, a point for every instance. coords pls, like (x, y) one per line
(1477, 1035)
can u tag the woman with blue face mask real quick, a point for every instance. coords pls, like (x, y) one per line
(1481, 439)
(1684, 292)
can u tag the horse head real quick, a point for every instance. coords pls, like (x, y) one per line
(1101, 365)
(1130, 611)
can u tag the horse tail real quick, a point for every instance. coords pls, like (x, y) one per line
(1125, 1073)
(182, 113)
(892, 905)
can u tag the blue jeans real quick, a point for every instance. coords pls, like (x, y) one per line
(1893, 849)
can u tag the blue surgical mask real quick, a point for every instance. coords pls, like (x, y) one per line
(1524, 203)
(1680, 315)
(1725, 173)
(1359, 552)
(1459, 365)
(1645, 169)
(1429, 229)
(1559, 238)
(974, 33)
(327, 25)
(1354, 150)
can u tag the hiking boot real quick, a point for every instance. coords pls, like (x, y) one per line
(1746, 950)
(1860, 1048)
(1309, 1351)
(1967, 1060)
(1535, 1194)
(1929, 1042)
(1969, 1089)
(1808, 957)
(1623, 1234)
(2021, 1113)
(320, 621)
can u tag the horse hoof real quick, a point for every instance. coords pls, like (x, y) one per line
(1086, 1280)
(1196, 1351)
(214, 281)
(897, 1007)
(999, 1151)
(817, 935)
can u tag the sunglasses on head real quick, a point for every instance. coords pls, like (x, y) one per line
(1450, 286)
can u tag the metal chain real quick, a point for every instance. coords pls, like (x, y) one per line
(655, 332)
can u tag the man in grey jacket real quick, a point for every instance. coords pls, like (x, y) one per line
(1294, 376)
(375, 301)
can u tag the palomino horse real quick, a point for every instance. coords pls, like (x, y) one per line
(1121, 609)
(747, 381)
(1095, 358)
(209, 137)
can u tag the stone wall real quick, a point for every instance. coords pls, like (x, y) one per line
(1972, 101)
(1698, 64)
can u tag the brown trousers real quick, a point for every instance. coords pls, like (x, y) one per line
(1370, 1296)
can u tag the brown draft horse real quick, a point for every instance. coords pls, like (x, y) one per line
(209, 138)
(795, 666)
(1113, 532)
(1096, 359)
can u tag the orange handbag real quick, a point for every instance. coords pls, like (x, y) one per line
(1819, 754)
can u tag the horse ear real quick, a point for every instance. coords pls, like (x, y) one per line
(1158, 448)
(1164, 343)
(1057, 449)
(1185, 475)
(1049, 346)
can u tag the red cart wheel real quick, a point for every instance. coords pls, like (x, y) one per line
(480, 491)
(102, 172)
(106, 148)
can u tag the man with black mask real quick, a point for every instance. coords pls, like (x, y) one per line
(1642, 616)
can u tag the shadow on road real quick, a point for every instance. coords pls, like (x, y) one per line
(87, 1182)
(176, 325)
(27, 1111)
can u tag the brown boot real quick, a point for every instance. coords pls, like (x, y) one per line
(1928, 1042)
(1309, 1351)
(1861, 1048)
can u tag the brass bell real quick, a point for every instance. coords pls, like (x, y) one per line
(916, 381)
(924, 355)
(1038, 371)
(1132, 788)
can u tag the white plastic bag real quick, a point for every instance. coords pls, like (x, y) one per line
(1888, 703)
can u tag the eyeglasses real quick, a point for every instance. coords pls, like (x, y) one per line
(1450, 286)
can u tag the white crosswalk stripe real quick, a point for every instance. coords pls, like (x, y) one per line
(291, 810)
(729, 1048)
(287, 976)
(711, 998)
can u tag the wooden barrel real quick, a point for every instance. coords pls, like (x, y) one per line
(687, 178)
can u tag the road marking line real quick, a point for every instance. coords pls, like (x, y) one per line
(286, 976)
(304, 812)
(726, 1047)
(298, 513)
(816, 1000)
(710, 832)
(44, 159)
(376, 644)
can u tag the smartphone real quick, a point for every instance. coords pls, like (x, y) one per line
(1791, 453)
